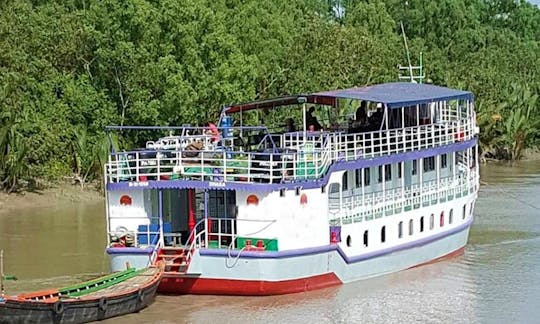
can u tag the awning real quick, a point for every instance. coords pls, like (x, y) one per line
(396, 94)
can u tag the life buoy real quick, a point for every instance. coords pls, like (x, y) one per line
(103, 303)
(58, 308)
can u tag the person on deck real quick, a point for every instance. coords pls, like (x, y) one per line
(213, 130)
(311, 121)
(376, 119)
(360, 122)
(289, 126)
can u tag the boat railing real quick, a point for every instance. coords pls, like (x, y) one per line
(286, 158)
(356, 208)
(220, 233)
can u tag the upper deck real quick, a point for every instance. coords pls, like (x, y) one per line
(423, 118)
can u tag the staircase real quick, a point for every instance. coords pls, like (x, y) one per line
(175, 259)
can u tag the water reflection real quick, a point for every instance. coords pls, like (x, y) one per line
(46, 246)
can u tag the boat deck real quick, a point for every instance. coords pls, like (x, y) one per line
(275, 158)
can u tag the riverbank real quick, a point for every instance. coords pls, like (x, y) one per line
(57, 195)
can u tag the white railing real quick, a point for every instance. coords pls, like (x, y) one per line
(295, 158)
(356, 208)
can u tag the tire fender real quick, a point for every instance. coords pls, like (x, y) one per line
(58, 308)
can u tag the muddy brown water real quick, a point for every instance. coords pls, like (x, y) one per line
(497, 280)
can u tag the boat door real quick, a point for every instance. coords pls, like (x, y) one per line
(221, 209)
(408, 171)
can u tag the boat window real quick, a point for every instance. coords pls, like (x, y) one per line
(399, 166)
(400, 229)
(383, 234)
(431, 221)
(444, 161)
(441, 222)
(410, 227)
(365, 238)
(464, 210)
(323, 189)
(451, 216)
(367, 177)
(297, 191)
(344, 181)
(471, 209)
(422, 224)
(282, 192)
(349, 241)
(429, 164)
(388, 172)
(358, 178)
(414, 167)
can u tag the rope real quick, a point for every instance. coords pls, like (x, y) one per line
(510, 195)
(235, 262)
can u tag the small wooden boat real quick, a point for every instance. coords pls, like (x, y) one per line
(116, 294)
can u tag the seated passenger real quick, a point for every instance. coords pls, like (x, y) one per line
(289, 126)
(213, 130)
(376, 119)
(311, 121)
(360, 122)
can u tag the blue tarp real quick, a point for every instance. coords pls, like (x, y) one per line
(399, 94)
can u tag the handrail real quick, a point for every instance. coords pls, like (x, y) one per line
(193, 246)
(227, 164)
(194, 230)
(380, 202)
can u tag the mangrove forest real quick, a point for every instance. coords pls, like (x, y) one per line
(68, 68)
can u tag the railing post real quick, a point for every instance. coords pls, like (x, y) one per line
(158, 160)
(136, 165)
(271, 167)
(249, 168)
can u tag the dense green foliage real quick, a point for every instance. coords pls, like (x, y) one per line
(70, 67)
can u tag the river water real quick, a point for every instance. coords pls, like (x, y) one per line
(497, 280)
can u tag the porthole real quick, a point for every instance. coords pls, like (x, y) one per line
(303, 199)
(365, 238)
(441, 221)
(349, 241)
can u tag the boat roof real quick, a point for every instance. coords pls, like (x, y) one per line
(393, 95)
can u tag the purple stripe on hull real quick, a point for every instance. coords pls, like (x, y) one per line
(129, 250)
(311, 184)
(327, 248)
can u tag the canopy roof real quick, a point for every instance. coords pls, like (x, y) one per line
(394, 95)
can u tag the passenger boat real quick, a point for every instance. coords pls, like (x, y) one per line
(116, 294)
(245, 209)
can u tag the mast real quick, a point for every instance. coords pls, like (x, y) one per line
(410, 69)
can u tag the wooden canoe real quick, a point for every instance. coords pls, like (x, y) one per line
(113, 295)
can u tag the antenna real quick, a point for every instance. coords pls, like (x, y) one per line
(410, 68)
